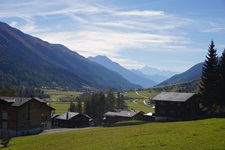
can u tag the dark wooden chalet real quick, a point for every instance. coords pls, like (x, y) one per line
(24, 116)
(175, 106)
(73, 120)
(113, 117)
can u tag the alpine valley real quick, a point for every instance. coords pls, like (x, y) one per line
(28, 61)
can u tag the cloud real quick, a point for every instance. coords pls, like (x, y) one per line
(142, 13)
(92, 28)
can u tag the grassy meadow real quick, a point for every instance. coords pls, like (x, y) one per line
(56, 95)
(62, 107)
(201, 134)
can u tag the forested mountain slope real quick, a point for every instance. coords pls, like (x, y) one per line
(29, 61)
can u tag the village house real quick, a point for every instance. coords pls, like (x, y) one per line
(24, 116)
(175, 106)
(72, 120)
(124, 115)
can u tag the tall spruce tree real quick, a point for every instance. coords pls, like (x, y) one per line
(72, 107)
(111, 100)
(221, 80)
(208, 84)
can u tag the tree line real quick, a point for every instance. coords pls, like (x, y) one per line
(95, 105)
(212, 85)
(22, 91)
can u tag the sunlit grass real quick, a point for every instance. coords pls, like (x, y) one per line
(56, 95)
(201, 134)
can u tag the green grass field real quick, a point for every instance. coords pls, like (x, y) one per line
(201, 134)
(56, 95)
(60, 108)
(139, 106)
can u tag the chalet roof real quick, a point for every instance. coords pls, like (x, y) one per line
(123, 113)
(67, 115)
(173, 96)
(19, 101)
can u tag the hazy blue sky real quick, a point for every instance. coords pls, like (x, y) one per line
(166, 34)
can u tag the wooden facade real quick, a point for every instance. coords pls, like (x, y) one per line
(23, 116)
(179, 106)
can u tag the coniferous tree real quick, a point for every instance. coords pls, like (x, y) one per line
(118, 100)
(209, 77)
(4, 91)
(86, 106)
(123, 104)
(72, 107)
(221, 80)
(111, 100)
(79, 106)
(13, 91)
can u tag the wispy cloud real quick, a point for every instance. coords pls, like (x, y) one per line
(142, 13)
(93, 28)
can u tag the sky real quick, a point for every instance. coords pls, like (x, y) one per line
(165, 34)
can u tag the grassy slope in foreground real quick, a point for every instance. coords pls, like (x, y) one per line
(201, 134)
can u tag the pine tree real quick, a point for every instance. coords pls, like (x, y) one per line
(79, 106)
(221, 80)
(4, 91)
(72, 107)
(209, 76)
(13, 91)
(87, 105)
(111, 100)
(118, 100)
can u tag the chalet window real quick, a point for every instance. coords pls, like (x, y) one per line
(4, 116)
(4, 125)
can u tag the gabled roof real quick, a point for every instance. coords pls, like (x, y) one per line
(67, 115)
(19, 101)
(129, 114)
(173, 96)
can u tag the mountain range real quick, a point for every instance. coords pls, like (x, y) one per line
(194, 73)
(127, 74)
(29, 61)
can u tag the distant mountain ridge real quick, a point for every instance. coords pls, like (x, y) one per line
(27, 60)
(127, 74)
(156, 78)
(194, 73)
(147, 70)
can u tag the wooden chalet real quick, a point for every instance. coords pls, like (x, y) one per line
(23, 116)
(72, 120)
(175, 106)
(124, 115)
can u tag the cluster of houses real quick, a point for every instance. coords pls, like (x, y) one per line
(25, 116)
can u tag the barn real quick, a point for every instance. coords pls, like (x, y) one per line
(175, 106)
